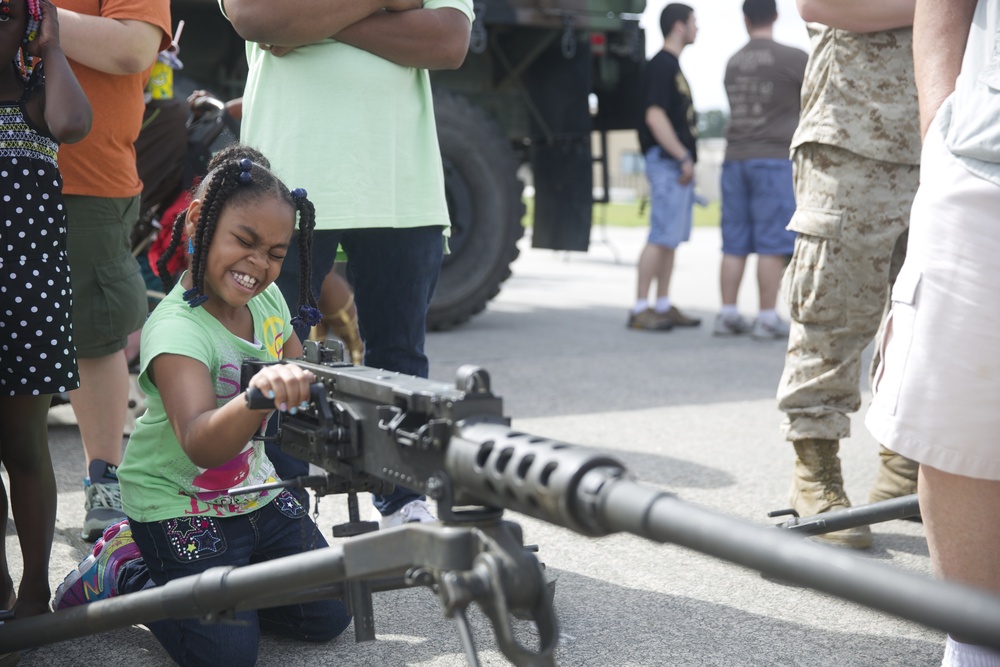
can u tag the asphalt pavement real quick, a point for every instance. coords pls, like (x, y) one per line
(686, 412)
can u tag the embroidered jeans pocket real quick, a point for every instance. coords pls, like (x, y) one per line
(194, 538)
(288, 505)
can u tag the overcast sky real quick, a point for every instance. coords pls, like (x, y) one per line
(721, 33)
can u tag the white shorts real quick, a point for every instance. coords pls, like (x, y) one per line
(937, 390)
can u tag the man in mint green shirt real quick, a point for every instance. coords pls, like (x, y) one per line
(338, 96)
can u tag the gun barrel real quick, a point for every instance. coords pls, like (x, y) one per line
(201, 595)
(592, 494)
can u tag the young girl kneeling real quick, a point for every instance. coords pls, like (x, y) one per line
(194, 441)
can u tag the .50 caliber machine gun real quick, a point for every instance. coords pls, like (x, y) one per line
(370, 429)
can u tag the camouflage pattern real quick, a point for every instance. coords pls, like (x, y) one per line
(860, 94)
(851, 212)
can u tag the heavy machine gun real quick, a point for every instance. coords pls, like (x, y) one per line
(369, 429)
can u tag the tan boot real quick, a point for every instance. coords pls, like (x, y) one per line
(897, 477)
(818, 486)
(342, 324)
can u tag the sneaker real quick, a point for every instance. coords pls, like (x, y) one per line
(96, 577)
(417, 511)
(730, 326)
(679, 319)
(649, 320)
(103, 503)
(777, 330)
(818, 486)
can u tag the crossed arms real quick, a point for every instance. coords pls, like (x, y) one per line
(401, 31)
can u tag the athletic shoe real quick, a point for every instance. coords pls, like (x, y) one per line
(730, 326)
(416, 511)
(679, 319)
(777, 330)
(103, 503)
(649, 320)
(96, 577)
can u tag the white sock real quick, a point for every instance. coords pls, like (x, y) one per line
(957, 654)
(768, 316)
(663, 304)
(729, 311)
(640, 305)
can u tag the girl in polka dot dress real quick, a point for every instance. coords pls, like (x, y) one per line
(38, 111)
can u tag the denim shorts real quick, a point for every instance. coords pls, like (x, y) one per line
(109, 294)
(670, 202)
(758, 200)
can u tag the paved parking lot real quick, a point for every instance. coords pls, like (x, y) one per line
(686, 412)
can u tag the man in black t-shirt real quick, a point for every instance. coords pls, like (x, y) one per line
(667, 135)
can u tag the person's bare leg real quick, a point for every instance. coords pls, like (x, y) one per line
(649, 267)
(340, 316)
(769, 271)
(655, 263)
(24, 449)
(100, 405)
(730, 277)
(960, 520)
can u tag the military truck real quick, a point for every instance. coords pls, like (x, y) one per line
(540, 77)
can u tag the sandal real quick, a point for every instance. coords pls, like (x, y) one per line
(342, 324)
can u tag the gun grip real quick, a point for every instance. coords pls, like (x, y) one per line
(257, 401)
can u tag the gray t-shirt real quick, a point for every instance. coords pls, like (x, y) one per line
(763, 82)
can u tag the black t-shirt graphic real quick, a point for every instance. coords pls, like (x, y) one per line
(664, 85)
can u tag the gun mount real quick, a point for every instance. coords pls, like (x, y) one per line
(370, 428)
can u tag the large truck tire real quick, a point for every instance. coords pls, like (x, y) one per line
(484, 203)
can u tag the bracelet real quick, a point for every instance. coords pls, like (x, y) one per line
(686, 157)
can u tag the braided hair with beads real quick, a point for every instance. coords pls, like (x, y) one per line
(242, 181)
(22, 61)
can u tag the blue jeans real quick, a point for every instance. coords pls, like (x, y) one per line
(189, 545)
(393, 273)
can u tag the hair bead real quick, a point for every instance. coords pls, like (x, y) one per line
(245, 166)
(194, 297)
(307, 316)
(34, 21)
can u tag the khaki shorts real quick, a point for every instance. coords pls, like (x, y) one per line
(109, 295)
(936, 391)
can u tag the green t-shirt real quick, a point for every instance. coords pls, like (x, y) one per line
(158, 480)
(355, 130)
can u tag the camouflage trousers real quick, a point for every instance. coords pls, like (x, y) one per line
(851, 216)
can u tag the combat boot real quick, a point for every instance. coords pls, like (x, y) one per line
(818, 486)
(897, 476)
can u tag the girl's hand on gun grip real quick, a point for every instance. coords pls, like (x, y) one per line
(287, 385)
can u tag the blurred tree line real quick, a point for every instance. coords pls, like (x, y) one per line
(712, 124)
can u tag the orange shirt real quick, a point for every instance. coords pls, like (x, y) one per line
(103, 164)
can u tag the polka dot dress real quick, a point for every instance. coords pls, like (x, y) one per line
(37, 355)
